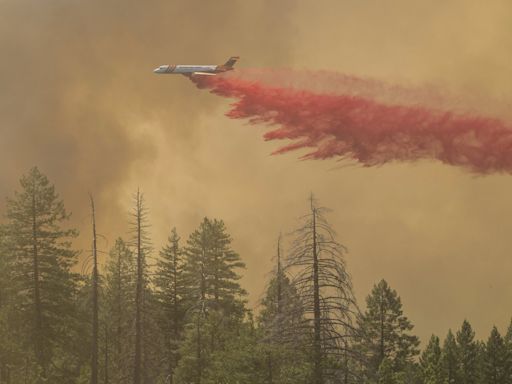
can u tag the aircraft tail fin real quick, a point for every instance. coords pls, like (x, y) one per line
(231, 62)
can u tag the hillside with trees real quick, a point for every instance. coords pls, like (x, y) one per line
(184, 319)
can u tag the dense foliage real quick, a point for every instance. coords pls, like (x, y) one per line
(184, 319)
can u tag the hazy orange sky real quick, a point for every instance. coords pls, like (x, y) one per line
(78, 98)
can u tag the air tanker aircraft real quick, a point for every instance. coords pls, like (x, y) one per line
(197, 70)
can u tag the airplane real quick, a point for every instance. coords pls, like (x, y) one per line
(197, 70)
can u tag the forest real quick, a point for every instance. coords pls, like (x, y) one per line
(177, 314)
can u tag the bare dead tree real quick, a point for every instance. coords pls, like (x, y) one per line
(141, 244)
(317, 266)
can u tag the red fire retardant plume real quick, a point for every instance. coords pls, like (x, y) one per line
(364, 130)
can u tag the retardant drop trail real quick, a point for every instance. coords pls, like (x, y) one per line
(366, 129)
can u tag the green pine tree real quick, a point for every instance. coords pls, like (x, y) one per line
(147, 359)
(449, 359)
(236, 359)
(118, 312)
(281, 316)
(242, 359)
(467, 355)
(496, 359)
(508, 345)
(508, 335)
(386, 372)
(385, 332)
(172, 293)
(46, 285)
(285, 356)
(225, 264)
(211, 267)
(217, 307)
(282, 310)
(11, 352)
(430, 362)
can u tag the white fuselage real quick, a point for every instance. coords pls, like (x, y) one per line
(186, 69)
(197, 70)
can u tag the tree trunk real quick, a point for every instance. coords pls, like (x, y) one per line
(279, 282)
(381, 346)
(176, 329)
(138, 298)
(95, 321)
(317, 346)
(119, 309)
(198, 352)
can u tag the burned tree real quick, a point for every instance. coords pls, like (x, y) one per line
(142, 248)
(317, 266)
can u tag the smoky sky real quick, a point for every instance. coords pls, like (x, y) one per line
(78, 87)
(79, 100)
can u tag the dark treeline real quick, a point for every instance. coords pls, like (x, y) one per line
(178, 315)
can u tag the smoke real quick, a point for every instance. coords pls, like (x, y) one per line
(365, 121)
(79, 99)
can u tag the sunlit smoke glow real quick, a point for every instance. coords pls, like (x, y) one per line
(365, 123)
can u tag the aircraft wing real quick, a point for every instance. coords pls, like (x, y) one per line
(203, 74)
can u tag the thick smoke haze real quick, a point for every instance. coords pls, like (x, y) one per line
(78, 93)
(78, 98)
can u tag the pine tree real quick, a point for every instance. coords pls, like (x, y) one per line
(385, 331)
(430, 362)
(449, 360)
(154, 367)
(119, 311)
(386, 372)
(316, 260)
(225, 264)
(172, 294)
(211, 267)
(242, 359)
(410, 374)
(496, 358)
(508, 346)
(95, 304)
(216, 299)
(281, 314)
(285, 357)
(467, 355)
(140, 242)
(44, 259)
(11, 356)
(286, 351)
(508, 335)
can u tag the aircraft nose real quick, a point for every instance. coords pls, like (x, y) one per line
(160, 69)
